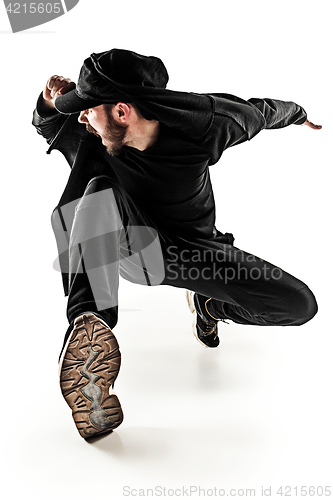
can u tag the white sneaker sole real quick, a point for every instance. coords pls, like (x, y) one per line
(190, 303)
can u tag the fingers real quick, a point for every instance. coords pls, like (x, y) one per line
(57, 85)
(312, 125)
(316, 127)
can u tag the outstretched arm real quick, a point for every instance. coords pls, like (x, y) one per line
(235, 121)
(279, 114)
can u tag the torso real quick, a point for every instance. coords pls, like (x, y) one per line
(170, 182)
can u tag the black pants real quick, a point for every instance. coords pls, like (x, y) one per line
(110, 237)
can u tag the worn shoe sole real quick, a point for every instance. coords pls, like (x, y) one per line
(190, 303)
(88, 367)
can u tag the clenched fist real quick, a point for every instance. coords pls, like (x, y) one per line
(55, 86)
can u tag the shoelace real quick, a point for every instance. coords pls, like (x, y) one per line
(210, 328)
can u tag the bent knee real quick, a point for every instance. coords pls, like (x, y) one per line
(303, 306)
(100, 183)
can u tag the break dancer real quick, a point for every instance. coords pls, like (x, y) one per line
(139, 203)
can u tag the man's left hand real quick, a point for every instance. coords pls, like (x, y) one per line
(312, 125)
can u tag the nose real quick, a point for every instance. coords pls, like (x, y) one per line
(82, 117)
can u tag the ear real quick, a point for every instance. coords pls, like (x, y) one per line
(121, 113)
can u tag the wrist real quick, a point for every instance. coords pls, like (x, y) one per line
(45, 108)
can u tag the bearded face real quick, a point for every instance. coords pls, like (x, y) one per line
(113, 135)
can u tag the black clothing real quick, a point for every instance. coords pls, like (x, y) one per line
(244, 288)
(167, 187)
(102, 74)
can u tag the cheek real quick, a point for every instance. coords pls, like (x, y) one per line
(98, 124)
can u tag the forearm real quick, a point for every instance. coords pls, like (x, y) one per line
(279, 114)
(47, 119)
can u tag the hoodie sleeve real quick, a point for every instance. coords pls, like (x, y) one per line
(279, 114)
(236, 121)
(47, 122)
(62, 132)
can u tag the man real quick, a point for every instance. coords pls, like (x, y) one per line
(139, 202)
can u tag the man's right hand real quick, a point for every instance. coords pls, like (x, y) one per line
(55, 86)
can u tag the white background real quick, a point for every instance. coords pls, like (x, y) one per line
(256, 411)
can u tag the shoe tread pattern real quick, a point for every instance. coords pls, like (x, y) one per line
(90, 366)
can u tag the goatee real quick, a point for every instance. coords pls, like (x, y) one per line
(114, 135)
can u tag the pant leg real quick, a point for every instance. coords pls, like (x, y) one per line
(96, 218)
(241, 286)
(109, 236)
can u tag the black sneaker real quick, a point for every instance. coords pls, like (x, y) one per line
(88, 367)
(204, 326)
